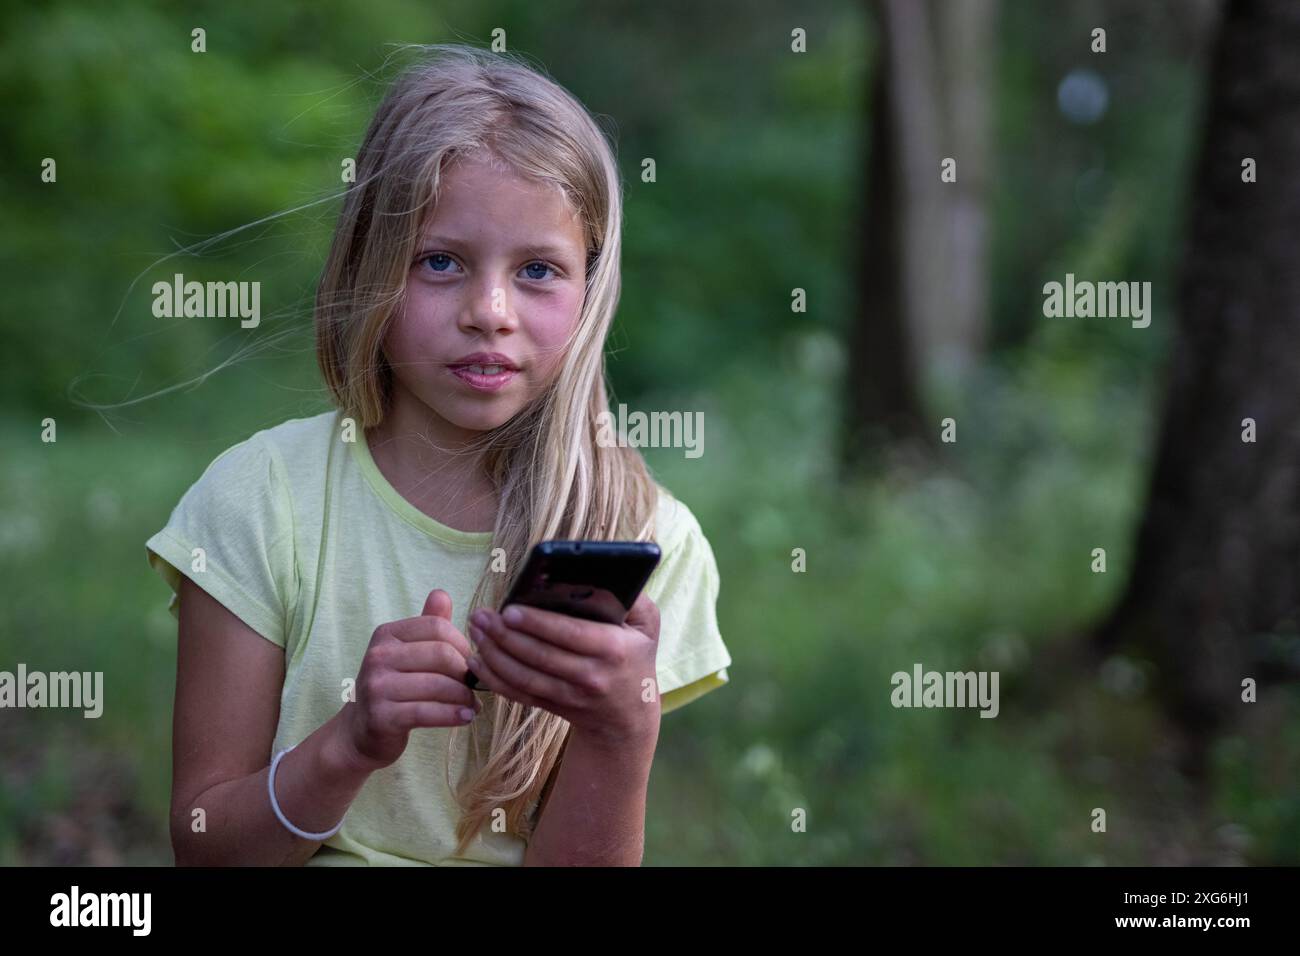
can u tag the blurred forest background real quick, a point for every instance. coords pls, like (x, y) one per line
(776, 171)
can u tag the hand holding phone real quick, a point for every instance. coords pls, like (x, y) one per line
(595, 580)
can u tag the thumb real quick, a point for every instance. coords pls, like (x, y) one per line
(437, 604)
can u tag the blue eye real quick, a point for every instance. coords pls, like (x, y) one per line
(439, 261)
(437, 255)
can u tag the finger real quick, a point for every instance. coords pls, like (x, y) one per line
(437, 604)
(519, 675)
(426, 657)
(570, 633)
(428, 628)
(426, 713)
(490, 680)
(542, 655)
(438, 688)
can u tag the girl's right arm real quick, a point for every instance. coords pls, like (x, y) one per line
(228, 684)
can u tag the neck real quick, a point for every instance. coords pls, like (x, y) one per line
(430, 463)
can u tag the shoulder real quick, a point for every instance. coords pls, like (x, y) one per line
(233, 531)
(298, 442)
(686, 557)
(271, 460)
(676, 526)
(253, 481)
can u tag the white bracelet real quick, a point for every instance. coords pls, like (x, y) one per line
(270, 786)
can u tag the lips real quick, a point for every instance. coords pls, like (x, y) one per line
(483, 381)
(484, 371)
(484, 360)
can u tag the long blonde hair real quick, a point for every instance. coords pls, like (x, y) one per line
(552, 477)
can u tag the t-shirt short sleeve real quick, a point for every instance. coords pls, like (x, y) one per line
(232, 535)
(691, 659)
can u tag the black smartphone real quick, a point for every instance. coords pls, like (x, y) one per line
(595, 580)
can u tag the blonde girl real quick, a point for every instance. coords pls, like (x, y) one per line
(337, 577)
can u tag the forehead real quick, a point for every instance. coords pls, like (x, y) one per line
(482, 202)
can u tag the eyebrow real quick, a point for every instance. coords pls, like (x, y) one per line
(550, 249)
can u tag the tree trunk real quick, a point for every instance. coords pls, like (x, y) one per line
(925, 260)
(883, 399)
(1214, 596)
(967, 43)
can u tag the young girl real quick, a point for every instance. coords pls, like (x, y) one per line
(336, 577)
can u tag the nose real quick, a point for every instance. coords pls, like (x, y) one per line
(489, 309)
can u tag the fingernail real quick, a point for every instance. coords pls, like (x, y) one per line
(466, 714)
(512, 615)
(479, 617)
(473, 663)
(475, 633)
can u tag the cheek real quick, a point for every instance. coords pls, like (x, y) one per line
(399, 343)
(412, 332)
(551, 326)
(553, 319)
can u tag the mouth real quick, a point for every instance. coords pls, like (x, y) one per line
(484, 371)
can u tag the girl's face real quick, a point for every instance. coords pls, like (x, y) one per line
(495, 289)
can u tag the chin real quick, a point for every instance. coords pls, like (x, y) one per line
(480, 419)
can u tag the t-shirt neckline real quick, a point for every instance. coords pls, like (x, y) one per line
(469, 540)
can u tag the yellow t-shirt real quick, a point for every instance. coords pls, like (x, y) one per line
(308, 544)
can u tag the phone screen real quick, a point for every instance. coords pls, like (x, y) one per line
(596, 580)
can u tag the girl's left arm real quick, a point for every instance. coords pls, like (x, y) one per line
(595, 813)
(600, 678)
